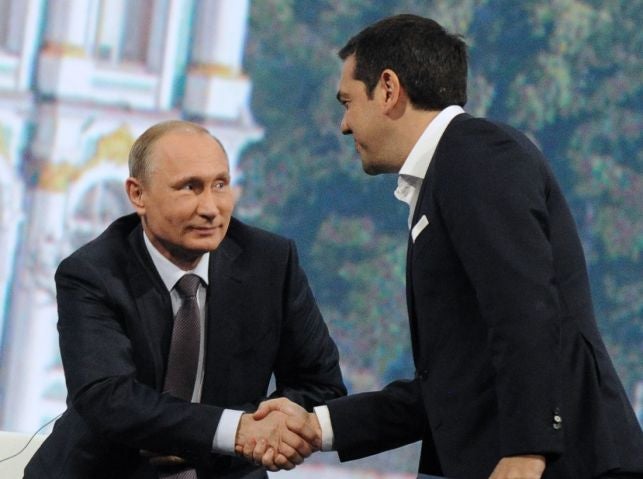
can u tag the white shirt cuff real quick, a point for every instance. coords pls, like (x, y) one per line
(323, 416)
(226, 433)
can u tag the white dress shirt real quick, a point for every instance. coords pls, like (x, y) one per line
(417, 163)
(409, 181)
(225, 435)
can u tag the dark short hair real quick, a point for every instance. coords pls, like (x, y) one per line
(139, 166)
(430, 62)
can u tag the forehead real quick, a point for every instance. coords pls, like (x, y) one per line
(348, 85)
(348, 70)
(185, 147)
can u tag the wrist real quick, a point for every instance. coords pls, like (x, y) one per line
(316, 426)
(240, 439)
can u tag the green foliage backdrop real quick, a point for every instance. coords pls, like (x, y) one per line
(567, 72)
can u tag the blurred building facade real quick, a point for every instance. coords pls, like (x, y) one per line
(79, 81)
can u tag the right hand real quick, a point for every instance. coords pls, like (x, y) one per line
(272, 437)
(299, 421)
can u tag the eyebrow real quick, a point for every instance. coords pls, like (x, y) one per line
(187, 179)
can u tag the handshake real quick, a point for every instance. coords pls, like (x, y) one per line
(278, 435)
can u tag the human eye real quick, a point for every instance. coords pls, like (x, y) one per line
(220, 185)
(189, 185)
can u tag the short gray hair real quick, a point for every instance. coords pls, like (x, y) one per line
(138, 163)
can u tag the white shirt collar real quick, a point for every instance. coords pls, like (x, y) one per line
(171, 273)
(417, 163)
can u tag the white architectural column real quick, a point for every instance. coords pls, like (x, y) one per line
(13, 25)
(216, 86)
(67, 24)
(220, 34)
(109, 31)
(18, 42)
(13, 136)
(65, 68)
(34, 10)
(175, 29)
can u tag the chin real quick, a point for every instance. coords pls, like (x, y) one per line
(372, 170)
(202, 246)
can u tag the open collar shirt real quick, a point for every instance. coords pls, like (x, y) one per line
(417, 163)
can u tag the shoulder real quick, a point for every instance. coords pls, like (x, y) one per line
(256, 240)
(483, 146)
(482, 161)
(111, 248)
(466, 131)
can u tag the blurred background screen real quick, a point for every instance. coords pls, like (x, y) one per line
(81, 79)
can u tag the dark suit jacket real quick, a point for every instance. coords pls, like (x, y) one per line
(115, 325)
(507, 353)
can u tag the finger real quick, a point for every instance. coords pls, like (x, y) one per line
(248, 449)
(262, 411)
(290, 453)
(294, 441)
(259, 451)
(267, 460)
(266, 407)
(302, 428)
(283, 463)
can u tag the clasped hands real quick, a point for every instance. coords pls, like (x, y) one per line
(278, 435)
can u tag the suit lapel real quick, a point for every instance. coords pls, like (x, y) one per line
(154, 328)
(424, 206)
(225, 329)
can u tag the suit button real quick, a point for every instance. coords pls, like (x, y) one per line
(423, 375)
(558, 420)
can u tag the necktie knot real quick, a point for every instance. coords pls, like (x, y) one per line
(188, 285)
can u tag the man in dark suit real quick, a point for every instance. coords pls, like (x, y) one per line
(512, 377)
(254, 315)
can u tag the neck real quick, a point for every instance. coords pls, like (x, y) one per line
(411, 127)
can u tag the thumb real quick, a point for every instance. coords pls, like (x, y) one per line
(266, 407)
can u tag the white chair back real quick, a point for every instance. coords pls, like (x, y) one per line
(13, 458)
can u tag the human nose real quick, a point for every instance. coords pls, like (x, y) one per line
(208, 205)
(344, 128)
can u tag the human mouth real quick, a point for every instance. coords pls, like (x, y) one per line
(205, 230)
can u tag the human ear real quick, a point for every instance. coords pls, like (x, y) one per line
(391, 88)
(134, 190)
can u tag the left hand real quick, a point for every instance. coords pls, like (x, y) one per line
(288, 448)
(519, 467)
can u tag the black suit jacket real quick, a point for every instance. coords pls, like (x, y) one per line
(115, 325)
(508, 356)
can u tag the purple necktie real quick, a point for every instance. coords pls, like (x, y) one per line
(183, 360)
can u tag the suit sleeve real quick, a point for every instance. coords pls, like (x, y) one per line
(308, 373)
(492, 192)
(373, 422)
(307, 368)
(101, 374)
